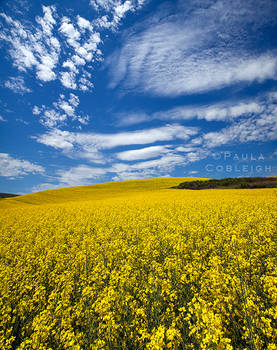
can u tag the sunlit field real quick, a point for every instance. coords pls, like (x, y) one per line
(137, 265)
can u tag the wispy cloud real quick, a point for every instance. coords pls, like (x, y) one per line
(227, 111)
(169, 146)
(89, 145)
(45, 186)
(85, 175)
(138, 162)
(12, 167)
(2, 119)
(263, 128)
(193, 52)
(81, 174)
(17, 85)
(159, 167)
(74, 176)
(260, 127)
(167, 160)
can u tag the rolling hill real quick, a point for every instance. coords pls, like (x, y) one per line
(94, 192)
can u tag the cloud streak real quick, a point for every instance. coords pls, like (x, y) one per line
(90, 145)
(17, 85)
(226, 112)
(143, 153)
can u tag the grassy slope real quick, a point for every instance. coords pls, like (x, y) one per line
(94, 192)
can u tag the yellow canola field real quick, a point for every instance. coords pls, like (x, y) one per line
(139, 267)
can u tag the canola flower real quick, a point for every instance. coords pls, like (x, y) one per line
(143, 269)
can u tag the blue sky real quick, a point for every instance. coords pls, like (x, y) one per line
(107, 90)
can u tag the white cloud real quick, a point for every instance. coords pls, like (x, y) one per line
(2, 119)
(91, 145)
(57, 139)
(17, 85)
(38, 48)
(48, 21)
(34, 47)
(162, 166)
(217, 112)
(71, 33)
(36, 110)
(136, 175)
(80, 175)
(227, 111)
(85, 175)
(11, 167)
(260, 127)
(185, 149)
(63, 110)
(69, 110)
(85, 82)
(131, 118)
(45, 73)
(68, 80)
(79, 61)
(71, 66)
(249, 122)
(143, 153)
(165, 163)
(52, 118)
(115, 11)
(46, 186)
(181, 54)
(84, 23)
(58, 47)
(138, 137)
(76, 176)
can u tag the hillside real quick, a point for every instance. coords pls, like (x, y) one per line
(94, 192)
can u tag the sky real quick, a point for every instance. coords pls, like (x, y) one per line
(108, 90)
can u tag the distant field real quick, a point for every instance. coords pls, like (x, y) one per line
(138, 265)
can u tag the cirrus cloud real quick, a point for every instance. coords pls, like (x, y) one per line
(191, 52)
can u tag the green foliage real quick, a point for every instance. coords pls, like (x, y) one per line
(239, 182)
(7, 195)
